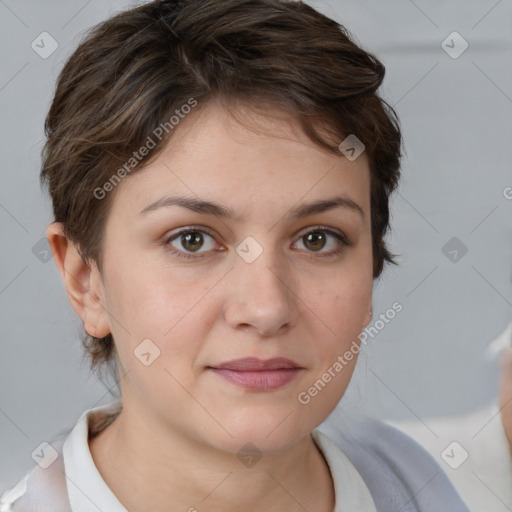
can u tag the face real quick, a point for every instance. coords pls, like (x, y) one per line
(246, 305)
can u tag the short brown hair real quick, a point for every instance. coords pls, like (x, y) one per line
(136, 69)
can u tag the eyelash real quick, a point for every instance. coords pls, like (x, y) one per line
(345, 242)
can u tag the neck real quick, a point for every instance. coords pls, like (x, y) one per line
(148, 468)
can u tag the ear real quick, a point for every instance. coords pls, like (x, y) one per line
(83, 284)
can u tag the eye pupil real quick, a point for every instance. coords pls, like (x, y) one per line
(316, 237)
(192, 240)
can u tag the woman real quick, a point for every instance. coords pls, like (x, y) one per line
(220, 174)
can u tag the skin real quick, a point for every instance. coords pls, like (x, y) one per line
(181, 426)
(506, 394)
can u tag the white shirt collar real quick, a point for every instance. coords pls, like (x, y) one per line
(351, 493)
(88, 491)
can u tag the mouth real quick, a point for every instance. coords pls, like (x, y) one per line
(256, 374)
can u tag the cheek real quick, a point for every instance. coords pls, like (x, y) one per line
(344, 302)
(343, 307)
(158, 305)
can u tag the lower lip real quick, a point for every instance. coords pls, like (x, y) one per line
(263, 380)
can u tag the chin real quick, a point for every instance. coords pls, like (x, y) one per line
(268, 433)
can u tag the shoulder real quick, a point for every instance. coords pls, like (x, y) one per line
(479, 433)
(400, 473)
(9, 497)
(43, 488)
(47, 486)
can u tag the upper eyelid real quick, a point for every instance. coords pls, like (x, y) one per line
(179, 231)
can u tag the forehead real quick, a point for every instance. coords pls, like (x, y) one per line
(248, 160)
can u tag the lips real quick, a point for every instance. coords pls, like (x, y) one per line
(252, 364)
(256, 374)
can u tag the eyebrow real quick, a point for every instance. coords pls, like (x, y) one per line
(222, 211)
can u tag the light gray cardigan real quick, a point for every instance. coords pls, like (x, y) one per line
(400, 474)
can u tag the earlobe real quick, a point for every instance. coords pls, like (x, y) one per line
(82, 282)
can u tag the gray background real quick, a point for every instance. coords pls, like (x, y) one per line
(455, 115)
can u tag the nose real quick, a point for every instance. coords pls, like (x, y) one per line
(261, 295)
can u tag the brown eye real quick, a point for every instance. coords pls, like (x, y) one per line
(191, 241)
(315, 240)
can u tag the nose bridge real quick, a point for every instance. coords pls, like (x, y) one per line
(260, 294)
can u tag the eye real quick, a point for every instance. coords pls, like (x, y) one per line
(318, 238)
(187, 243)
(191, 241)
